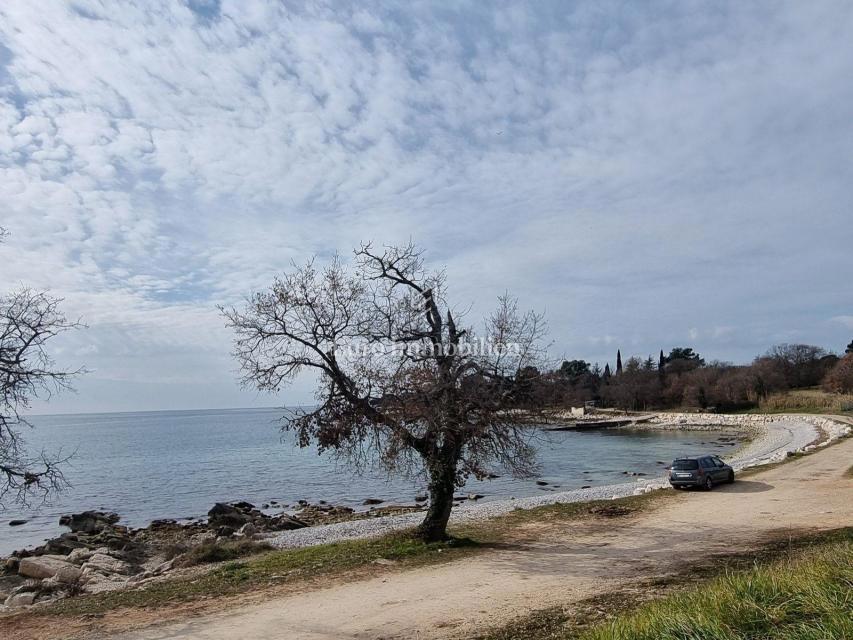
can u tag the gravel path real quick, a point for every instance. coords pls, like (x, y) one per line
(772, 438)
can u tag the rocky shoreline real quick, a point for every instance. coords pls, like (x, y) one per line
(99, 554)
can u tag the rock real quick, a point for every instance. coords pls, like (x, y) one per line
(205, 537)
(89, 521)
(68, 575)
(107, 564)
(247, 530)
(42, 566)
(20, 599)
(225, 532)
(586, 486)
(370, 501)
(493, 476)
(17, 523)
(385, 562)
(79, 556)
(421, 498)
(98, 583)
(475, 496)
(229, 515)
(541, 483)
(11, 564)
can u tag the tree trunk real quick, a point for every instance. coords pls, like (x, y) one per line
(442, 483)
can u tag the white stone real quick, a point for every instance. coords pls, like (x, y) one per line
(20, 599)
(42, 566)
(108, 564)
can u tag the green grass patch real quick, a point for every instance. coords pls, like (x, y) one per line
(806, 596)
(791, 589)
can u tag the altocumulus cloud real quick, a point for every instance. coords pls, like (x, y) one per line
(645, 173)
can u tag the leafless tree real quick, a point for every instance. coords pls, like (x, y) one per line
(28, 321)
(399, 380)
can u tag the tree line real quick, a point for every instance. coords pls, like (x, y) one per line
(682, 378)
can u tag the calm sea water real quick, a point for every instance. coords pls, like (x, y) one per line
(177, 464)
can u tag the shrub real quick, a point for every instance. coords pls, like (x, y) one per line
(220, 552)
(840, 377)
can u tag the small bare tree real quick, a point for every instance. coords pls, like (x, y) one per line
(399, 381)
(28, 320)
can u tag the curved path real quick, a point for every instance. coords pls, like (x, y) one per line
(557, 565)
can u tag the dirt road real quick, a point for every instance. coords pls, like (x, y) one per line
(569, 563)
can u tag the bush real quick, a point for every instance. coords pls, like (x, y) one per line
(840, 377)
(220, 552)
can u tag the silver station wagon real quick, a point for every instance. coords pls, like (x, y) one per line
(700, 471)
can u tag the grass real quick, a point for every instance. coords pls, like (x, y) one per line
(800, 589)
(806, 596)
(806, 401)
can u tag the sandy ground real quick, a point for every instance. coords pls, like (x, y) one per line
(560, 565)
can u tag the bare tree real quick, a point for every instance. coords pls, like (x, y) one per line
(28, 320)
(399, 380)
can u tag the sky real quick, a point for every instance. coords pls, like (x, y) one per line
(648, 175)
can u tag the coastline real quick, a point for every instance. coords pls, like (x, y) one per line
(772, 438)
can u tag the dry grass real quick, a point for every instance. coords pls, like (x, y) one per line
(806, 401)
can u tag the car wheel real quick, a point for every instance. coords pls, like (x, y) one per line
(731, 477)
(709, 484)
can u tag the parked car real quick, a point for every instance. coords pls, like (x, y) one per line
(700, 471)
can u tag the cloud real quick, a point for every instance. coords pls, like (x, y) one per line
(630, 171)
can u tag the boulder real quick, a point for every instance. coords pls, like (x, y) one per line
(98, 583)
(20, 599)
(16, 523)
(89, 521)
(42, 566)
(79, 556)
(68, 575)
(370, 501)
(107, 564)
(247, 530)
(231, 515)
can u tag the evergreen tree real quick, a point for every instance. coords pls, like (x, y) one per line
(849, 348)
(606, 375)
(618, 362)
(661, 361)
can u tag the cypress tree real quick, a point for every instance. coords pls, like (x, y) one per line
(618, 361)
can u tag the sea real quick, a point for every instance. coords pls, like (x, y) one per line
(177, 464)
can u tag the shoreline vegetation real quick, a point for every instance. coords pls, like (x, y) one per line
(250, 533)
(790, 588)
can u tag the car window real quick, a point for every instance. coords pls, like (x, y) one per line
(706, 462)
(718, 462)
(685, 465)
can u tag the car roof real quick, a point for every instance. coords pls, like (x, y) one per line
(706, 455)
